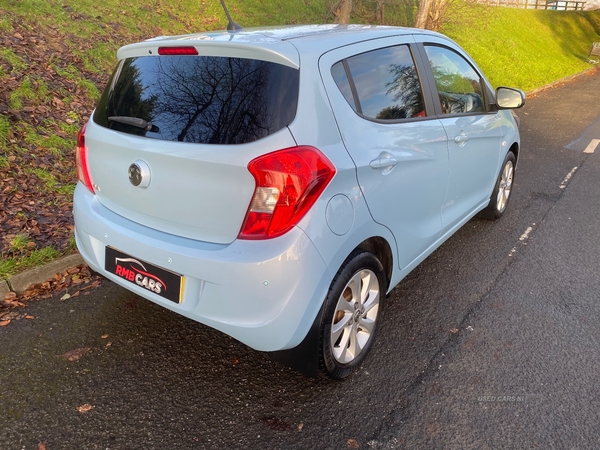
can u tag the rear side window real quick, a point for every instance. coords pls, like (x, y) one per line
(386, 83)
(199, 99)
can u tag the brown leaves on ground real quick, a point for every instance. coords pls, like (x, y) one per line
(74, 282)
(85, 408)
(32, 206)
(74, 355)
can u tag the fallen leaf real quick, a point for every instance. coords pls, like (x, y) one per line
(352, 443)
(65, 297)
(13, 303)
(9, 315)
(29, 317)
(300, 426)
(104, 336)
(41, 445)
(10, 296)
(74, 355)
(454, 330)
(84, 408)
(4, 323)
(108, 344)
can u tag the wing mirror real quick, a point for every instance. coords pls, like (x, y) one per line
(509, 98)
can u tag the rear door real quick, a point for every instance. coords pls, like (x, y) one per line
(399, 147)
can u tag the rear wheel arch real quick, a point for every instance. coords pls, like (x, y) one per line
(351, 314)
(307, 356)
(383, 252)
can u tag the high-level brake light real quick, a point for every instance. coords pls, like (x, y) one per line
(177, 51)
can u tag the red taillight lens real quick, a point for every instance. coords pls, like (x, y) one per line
(288, 182)
(177, 51)
(83, 170)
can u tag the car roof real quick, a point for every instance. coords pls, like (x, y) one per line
(278, 43)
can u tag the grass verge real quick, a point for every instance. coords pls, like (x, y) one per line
(57, 55)
(35, 258)
(524, 48)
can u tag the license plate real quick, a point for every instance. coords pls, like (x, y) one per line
(155, 279)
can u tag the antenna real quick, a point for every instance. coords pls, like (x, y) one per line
(231, 25)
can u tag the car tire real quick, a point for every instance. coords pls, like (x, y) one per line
(353, 310)
(502, 190)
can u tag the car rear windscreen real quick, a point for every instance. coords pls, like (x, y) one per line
(199, 99)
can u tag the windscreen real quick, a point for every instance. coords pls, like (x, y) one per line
(199, 99)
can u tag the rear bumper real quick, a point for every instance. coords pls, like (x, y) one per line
(265, 294)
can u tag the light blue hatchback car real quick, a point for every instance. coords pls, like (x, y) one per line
(277, 183)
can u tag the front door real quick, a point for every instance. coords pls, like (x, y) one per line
(474, 134)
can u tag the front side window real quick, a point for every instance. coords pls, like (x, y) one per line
(386, 83)
(458, 85)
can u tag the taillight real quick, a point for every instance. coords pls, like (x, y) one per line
(83, 170)
(288, 182)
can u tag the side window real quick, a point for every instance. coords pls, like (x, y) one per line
(338, 72)
(386, 84)
(458, 85)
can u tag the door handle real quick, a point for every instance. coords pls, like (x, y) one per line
(384, 162)
(461, 139)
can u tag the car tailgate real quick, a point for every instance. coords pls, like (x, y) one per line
(198, 191)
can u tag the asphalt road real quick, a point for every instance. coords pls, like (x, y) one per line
(493, 342)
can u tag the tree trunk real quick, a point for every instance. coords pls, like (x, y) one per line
(342, 11)
(423, 13)
(379, 13)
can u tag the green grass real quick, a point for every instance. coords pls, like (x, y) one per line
(11, 266)
(70, 128)
(13, 59)
(50, 183)
(6, 25)
(4, 131)
(521, 48)
(43, 91)
(45, 139)
(70, 72)
(524, 48)
(24, 91)
(19, 243)
(90, 88)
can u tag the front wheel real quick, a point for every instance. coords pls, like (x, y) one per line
(353, 310)
(502, 190)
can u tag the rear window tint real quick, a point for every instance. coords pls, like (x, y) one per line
(199, 99)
